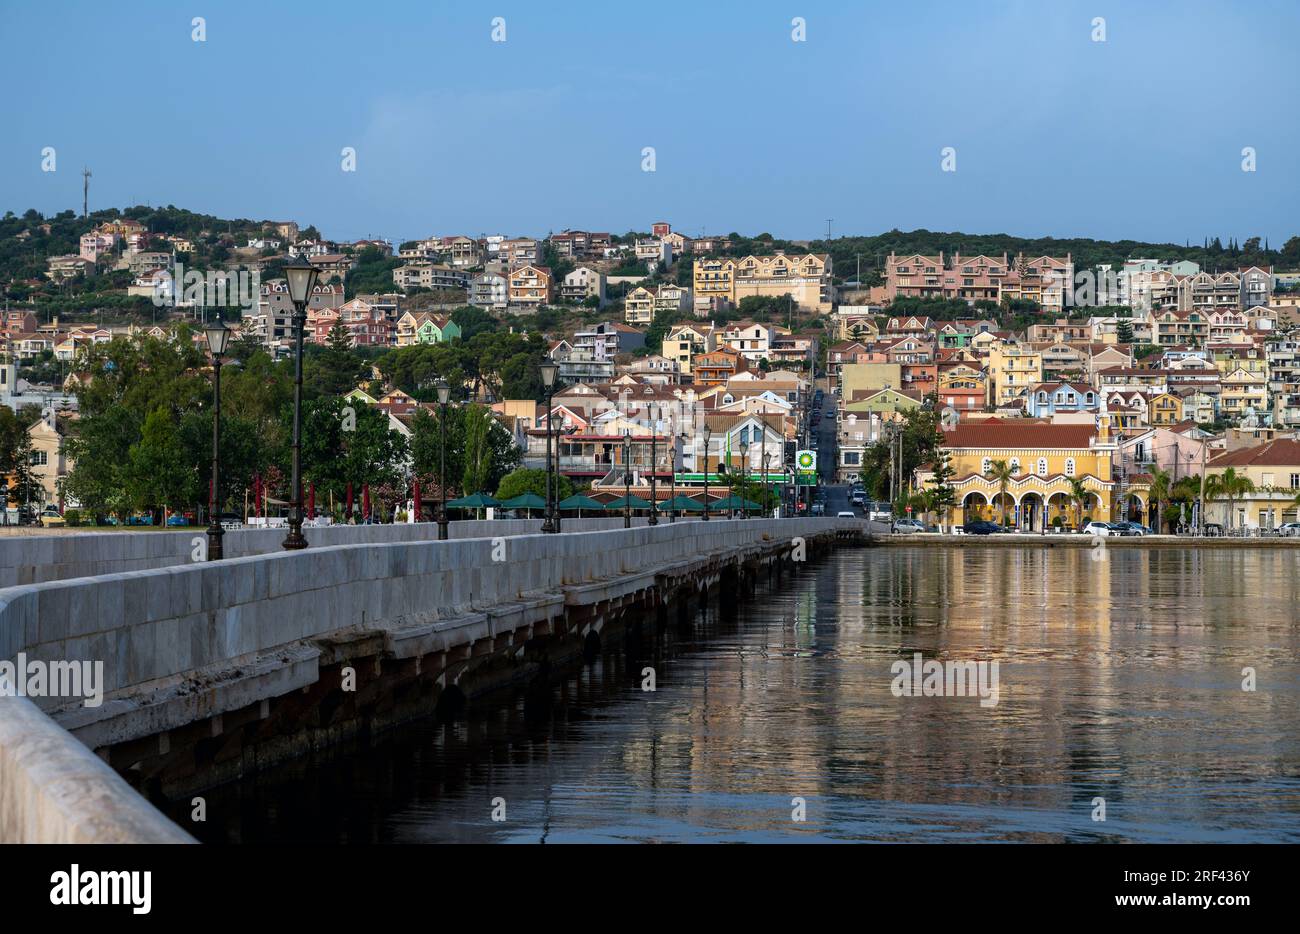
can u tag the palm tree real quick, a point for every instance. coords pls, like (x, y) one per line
(1159, 493)
(1228, 485)
(1000, 472)
(1078, 496)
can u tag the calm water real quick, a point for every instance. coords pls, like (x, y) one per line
(1119, 679)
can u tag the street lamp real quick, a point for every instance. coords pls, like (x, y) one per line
(744, 476)
(444, 396)
(654, 489)
(301, 278)
(218, 336)
(707, 435)
(627, 478)
(767, 458)
(672, 482)
(549, 370)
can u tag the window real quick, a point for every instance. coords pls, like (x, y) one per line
(985, 464)
(1069, 467)
(39, 458)
(852, 458)
(1295, 481)
(1015, 465)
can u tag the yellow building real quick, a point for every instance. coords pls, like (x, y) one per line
(639, 307)
(1044, 459)
(1013, 369)
(1243, 391)
(1165, 409)
(1274, 469)
(807, 279)
(858, 378)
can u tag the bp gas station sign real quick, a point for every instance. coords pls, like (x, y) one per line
(805, 463)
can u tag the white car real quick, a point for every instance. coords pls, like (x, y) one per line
(1099, 528)
(908, 525)
(845, 514)
(1289, 529)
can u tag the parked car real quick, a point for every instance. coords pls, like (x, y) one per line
(980, 527)
(51, 517)
(879, 512)
(177, 520)
(1289, 529)
(1105, 529)
(1132, 528)
(907, 526)
(845, 514)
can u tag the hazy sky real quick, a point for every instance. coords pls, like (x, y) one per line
(1139, 136)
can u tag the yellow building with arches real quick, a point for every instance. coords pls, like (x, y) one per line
(1045, 461)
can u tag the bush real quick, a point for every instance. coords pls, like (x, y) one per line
(72, 516)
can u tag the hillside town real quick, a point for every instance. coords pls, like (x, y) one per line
(1055, 396)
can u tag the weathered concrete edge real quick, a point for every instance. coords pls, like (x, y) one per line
(55, 790)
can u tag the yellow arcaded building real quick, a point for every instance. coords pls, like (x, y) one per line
(1044, 458)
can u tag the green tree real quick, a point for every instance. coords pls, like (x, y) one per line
(1079, 497)
(1000, 472)
(1229, 486)
(158, 475)
(531, 480)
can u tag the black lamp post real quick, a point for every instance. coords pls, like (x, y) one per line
(627, 478)
(654, 489)
(707, 434)
(301, 278)
(767, 458)
(549, 369)
(444, 396)
(672, 482)
(744, 477)
(218, 336)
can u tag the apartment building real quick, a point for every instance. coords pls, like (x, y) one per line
(490, 290)
(519, 251)
(584, 283)
(1046, 280)
(608, 339)
(807, 279)
(433, 276)
(531, 285)
(639, 306)
(685, 341)
(425, 328)
(1013, 368)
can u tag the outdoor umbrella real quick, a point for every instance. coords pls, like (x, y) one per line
(733, 502)
(528, 501)
(634, 502)
(681, 503)
(474, 501)
(579, 502)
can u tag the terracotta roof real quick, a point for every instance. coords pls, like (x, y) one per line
(1281, 453)
(995, 433)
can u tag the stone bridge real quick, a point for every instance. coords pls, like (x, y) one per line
(211, 670)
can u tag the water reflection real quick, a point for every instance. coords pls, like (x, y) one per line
(1120, 678)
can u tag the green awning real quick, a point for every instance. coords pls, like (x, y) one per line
(524, 501)
(475, 501)
(578, 501)
(734, 502)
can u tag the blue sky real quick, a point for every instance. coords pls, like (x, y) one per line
(1136, 137)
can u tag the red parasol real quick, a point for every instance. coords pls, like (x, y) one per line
(365, 501)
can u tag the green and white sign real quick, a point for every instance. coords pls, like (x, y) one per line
(805, 465)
